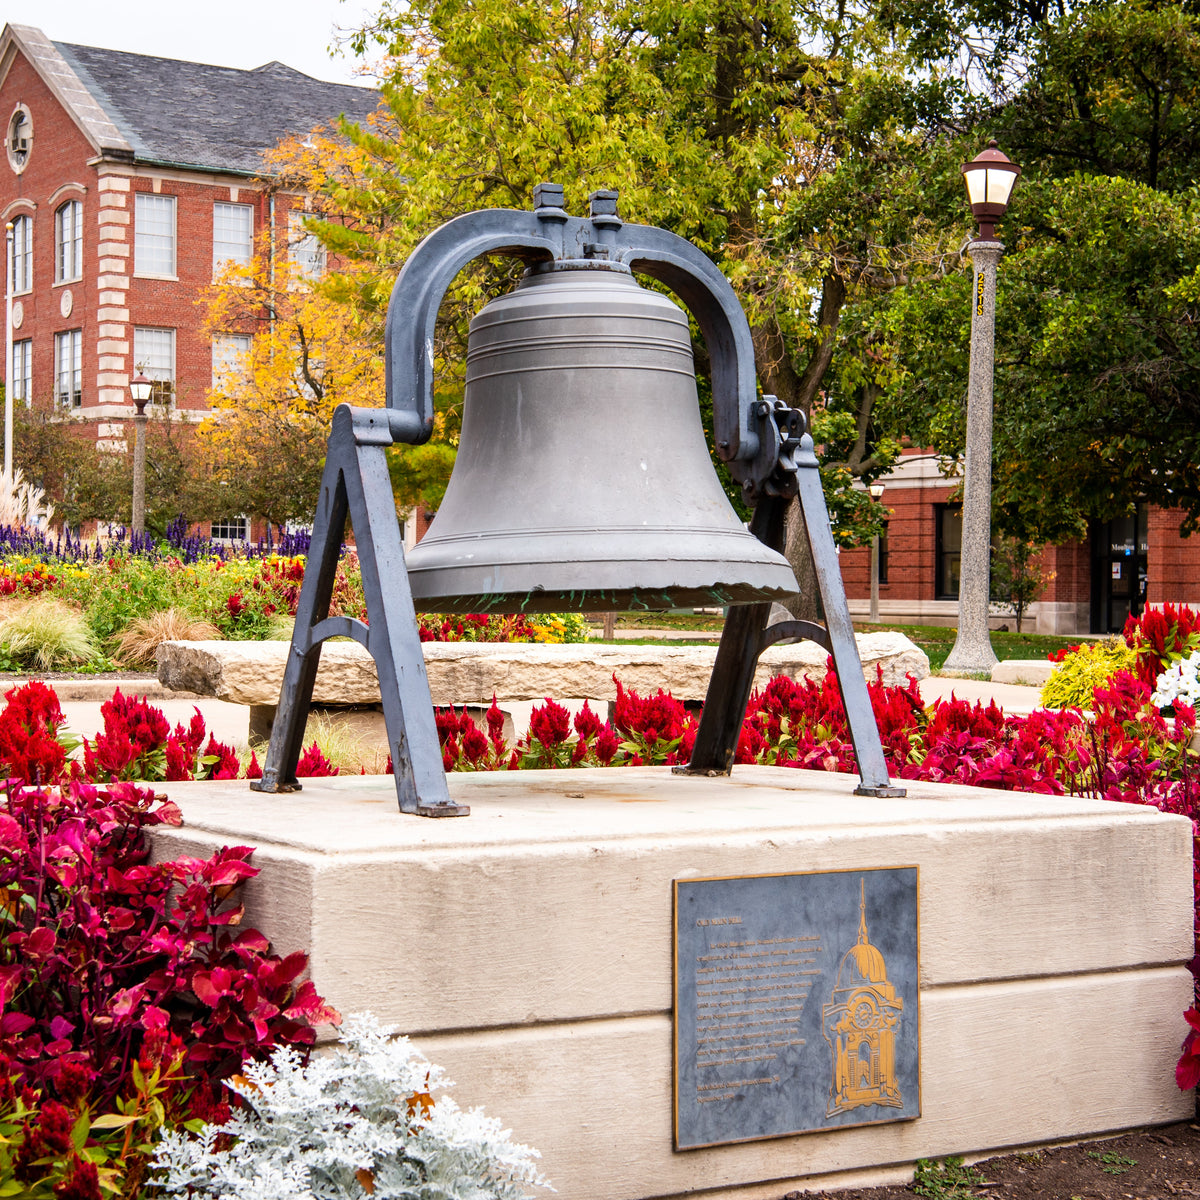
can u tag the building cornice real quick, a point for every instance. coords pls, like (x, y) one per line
(68, 89)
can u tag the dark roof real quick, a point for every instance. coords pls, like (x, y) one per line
(197, 115)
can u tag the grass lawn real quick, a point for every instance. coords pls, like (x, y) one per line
(936, 640)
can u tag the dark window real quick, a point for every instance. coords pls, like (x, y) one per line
(883, 554)
(949, 550)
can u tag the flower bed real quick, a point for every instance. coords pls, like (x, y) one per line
(1129, 751)
(126, 595)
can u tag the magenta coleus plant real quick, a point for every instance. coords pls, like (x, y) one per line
(102, 950)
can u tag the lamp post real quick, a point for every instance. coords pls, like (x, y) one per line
(8, 353)
(139, 388)
(876, 490)
(990, 178)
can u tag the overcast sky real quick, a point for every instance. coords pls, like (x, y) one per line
(230, 33)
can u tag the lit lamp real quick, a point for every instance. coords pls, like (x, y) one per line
(876, 490)
(990, 178)
(139, 388)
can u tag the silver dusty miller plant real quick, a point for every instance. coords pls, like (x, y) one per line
(358, 1122)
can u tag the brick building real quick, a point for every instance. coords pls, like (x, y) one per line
(130, 180)
(1120, 567)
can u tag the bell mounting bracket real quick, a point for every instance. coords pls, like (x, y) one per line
(764, 443)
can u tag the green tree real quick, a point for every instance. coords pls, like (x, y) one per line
(785, 141)
(1097, 390)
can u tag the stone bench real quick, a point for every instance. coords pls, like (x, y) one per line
(471, 673)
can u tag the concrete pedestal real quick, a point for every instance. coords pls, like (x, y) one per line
(528, 949)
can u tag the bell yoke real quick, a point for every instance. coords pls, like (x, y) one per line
(582, 480)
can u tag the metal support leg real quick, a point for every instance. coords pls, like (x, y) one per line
(356, 484)
(864, 733)
(745, 637)
(733, 671)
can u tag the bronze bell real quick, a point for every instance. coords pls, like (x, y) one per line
(583, 480)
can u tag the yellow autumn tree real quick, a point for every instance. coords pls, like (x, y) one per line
(285, 354)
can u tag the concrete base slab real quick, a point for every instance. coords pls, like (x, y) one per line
(528, 948)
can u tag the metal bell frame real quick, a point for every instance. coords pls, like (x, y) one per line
(764, 443)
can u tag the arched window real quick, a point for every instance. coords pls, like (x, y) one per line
(22, 267)
(20, 138)
(68, 242)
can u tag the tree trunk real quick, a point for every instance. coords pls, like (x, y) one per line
(780, 378)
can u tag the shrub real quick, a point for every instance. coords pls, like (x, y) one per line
(136, 743)
(1079, 673)
(43, 636)
(77, 1150)
(361, 1121)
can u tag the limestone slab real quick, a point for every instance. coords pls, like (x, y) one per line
(472, 672)
(1030, 671)
(586, 858)
(527, 948)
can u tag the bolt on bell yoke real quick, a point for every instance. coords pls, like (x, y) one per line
(582, 480)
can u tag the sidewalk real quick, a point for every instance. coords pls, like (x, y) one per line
(1013, 698)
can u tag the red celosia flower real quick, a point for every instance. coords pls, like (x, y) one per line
(313, 763)
(73, 1080)
(474, 744)
(495, 724)
(29, 727)
(587, 724)
(225, 763)
(607, 744)
(550, 723)
(81, 1183)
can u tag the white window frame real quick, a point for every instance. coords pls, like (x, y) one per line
(68, 369)
(68, 242)
(230, 358)
(238, 220)
(148, 357)
(22, 370)
(154, 247)
(222, 529)
(22, 264)
(305, 252)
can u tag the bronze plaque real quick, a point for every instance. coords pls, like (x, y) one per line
(796, 1004)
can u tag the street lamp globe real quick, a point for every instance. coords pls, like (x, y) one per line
(140, 388)
(990, 178)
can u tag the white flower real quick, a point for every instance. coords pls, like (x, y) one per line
(1179, 683)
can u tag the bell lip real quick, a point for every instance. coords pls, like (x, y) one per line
(612, 600)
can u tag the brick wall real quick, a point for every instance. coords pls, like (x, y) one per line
(111, 300)
(1071, 567)
(912, 549)
(59, 155)
(1173, 562)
